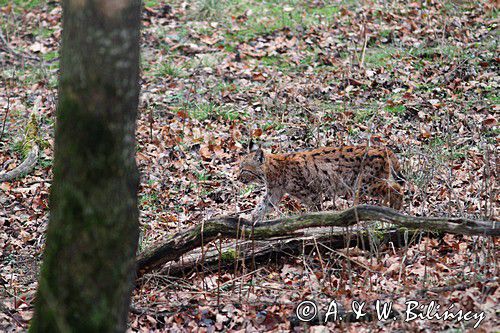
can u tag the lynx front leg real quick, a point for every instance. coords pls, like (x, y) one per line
(390, 193)
(314, 202)
(395, 196)
(269, 202)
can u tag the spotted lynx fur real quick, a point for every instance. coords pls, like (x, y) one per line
(310, 176)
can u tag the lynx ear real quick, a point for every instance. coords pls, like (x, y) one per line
(259, 155)
(252, 146)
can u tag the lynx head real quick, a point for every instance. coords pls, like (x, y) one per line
(251, 166)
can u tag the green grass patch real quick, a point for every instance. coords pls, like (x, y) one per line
(21, 4)
(443, 149)
(229, 255)
(426, 87)
(494, 13)
(379, 57)
(34, 75)
(269, 16)
(209, 9)
(386, 33)
(331, 109)
(20, 148)
(49, 56)
(151, 3)
(434, 53)
(277, 125)
(397, 110)
(43, 32)
(209, 110)
(492, 135)
(365, 113)
(230, 114)
(492, 98)
(277, 62)
(45, 162)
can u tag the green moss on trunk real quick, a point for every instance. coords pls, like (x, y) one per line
(88, 267)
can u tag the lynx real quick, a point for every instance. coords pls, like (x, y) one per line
(349, 171)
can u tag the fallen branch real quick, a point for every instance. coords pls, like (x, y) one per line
(30, 142)
(275, 248)
(234, 227)
(24, 168)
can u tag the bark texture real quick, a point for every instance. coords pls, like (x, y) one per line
(89, 260)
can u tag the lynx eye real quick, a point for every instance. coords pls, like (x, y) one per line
(246, 173)
(247, 176)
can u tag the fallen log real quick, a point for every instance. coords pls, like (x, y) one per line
(268, 251)
(235, 227)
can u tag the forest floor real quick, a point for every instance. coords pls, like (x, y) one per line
(419, 77)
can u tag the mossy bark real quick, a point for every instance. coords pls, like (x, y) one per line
(89, 260)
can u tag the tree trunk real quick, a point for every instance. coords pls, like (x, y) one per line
(89, 260)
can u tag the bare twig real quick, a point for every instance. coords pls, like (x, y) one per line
(10, 50)
(7, 109)
(365, 42)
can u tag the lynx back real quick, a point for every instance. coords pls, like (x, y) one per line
(354, 172)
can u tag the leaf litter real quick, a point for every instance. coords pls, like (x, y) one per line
(421, 78)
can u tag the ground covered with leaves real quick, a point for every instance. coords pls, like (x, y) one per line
(419, 77)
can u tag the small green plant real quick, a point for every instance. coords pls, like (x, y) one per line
(202, 111)
(149, 200)
(493, 98)
(228, 255)
(278, 62)
(385, 33)
(277, 125)
(492, 135)
(144, 241)
(168, 69)
(19, 148)
(364, 114)
(202, 175)
(230, 113)
(246, 190)
(30, 138)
